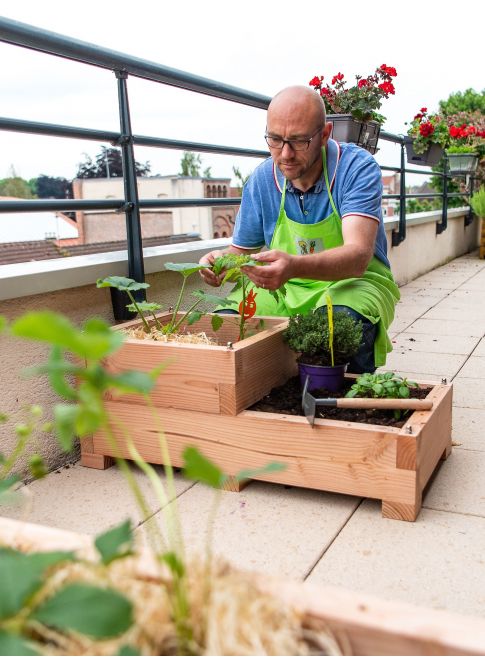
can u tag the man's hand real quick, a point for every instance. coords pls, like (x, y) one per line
(278, 270)
(206, 274)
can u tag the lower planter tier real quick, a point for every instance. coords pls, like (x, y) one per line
(387, 463)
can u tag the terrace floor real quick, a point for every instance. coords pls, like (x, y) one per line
(437, 561)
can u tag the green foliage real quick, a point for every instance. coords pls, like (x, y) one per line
(309, 335)
(108, 164)
(190, 164)
(93, 611)
(13, 645)
(477, 202)
(470, 100)
(459, 149)
(16, 187)
(46, 187)
(22, 575)
(387, 385)
(381, 385)
(115, 543)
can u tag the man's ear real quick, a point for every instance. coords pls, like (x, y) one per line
(326, 133)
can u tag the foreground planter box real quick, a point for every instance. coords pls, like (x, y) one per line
(362, 624)
(212, 379)
(387, 463)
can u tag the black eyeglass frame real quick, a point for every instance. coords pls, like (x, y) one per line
(290, 142)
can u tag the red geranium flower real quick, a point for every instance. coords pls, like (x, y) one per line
(315, 81)
(424, 109)
(337, 77)
(363, 83)
(426, 129)
(387, 87)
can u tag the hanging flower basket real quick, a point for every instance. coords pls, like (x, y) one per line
(430, 157)
(461, 163)
(347, 129)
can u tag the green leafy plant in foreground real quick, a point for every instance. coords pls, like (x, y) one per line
(32, 609)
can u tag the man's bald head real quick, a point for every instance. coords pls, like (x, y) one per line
(298, 100)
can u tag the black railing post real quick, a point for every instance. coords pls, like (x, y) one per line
(441, 226)
(469, 215)
(399, 235)
(132, 207)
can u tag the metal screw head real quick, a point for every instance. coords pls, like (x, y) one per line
(444, 381)
(409, 429)
(229, 345)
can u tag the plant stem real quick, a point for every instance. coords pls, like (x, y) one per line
(241, 320)
(177, 306)
(135, 304)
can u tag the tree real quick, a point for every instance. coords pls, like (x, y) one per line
(16, 187)
(240, 178)
(467, 101)
(108, 164)
(190, 164)
(47, 187)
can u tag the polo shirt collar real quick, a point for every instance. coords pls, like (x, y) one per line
(333, 157)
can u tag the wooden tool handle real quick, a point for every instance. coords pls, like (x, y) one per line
(384, 403)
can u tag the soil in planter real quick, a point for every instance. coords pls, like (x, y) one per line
(287, 399)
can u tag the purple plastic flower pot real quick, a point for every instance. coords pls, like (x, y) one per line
(321, 376)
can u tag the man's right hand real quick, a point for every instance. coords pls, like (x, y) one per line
(206, 274)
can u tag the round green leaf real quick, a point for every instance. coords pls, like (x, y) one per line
(99, 613)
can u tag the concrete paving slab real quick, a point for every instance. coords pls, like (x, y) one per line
(474, 368)
(473, 285)
(430, 291)
(266, 527)
(437, 561)
(442, 364)
(87, 500)
(411, 311)
(480, 350)
(447, 327)
(463, 314)
(469, 428)
(458, 484)
(421, 300)
(434, 343)
(469, 393)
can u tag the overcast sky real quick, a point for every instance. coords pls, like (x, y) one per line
(256, 45)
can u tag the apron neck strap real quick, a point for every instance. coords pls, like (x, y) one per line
(325, 173)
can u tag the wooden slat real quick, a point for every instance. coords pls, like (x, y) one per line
(338, 457)
(436, 437)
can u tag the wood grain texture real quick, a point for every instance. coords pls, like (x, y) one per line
(211, 379)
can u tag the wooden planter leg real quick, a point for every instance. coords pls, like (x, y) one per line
(91, 459)
(446, 452)
(403, 511)
(234, 485)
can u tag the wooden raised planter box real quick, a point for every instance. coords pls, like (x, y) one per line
(214, 379)
(387, 463)
(364, 625)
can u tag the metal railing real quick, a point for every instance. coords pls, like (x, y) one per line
(122, 65)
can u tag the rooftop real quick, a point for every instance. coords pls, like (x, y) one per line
(324, 538)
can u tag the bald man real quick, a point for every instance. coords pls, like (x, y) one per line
(316, 205)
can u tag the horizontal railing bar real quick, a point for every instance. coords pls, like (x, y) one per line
(198, 147)
(30, 127)
(28, 36)
(67, 205)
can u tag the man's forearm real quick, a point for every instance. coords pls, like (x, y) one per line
(333, 264)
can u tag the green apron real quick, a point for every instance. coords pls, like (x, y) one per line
(373, 295)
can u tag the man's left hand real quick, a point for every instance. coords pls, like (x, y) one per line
(278, 270)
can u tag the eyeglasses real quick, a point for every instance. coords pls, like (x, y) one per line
(295, 144)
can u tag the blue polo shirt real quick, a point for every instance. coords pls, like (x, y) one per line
(356, 186)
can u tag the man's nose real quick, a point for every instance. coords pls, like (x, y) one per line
(287, 150)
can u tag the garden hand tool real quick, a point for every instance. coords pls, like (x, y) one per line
(309, 403)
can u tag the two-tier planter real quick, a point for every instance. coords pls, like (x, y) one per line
(202, 398)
